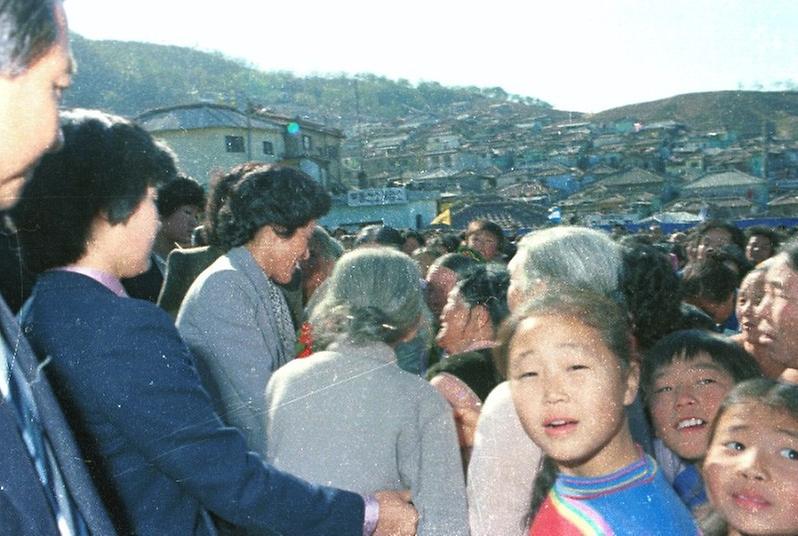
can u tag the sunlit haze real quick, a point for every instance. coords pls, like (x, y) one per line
(577, 55)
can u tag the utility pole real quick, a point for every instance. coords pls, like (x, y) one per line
(243, 97)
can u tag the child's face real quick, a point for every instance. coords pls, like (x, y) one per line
(685, 398)
(570, 391)
(751, 469)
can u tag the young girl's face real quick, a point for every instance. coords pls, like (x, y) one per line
(751, 469)
(685, 398)
(570, 390)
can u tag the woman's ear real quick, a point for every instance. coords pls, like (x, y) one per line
(632, 383)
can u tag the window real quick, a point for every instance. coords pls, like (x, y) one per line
(268, 147)
(234, 144)
(307, 142)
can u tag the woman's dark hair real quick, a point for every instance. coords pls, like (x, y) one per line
(104, 167)
(688, 345)
(489, 227)
(409, 233)
(28, 30)
(592, 309)
(650, 290)
(280, 196)
(181, 191)
(709, 279)
(486, 286)
(456, 262)
(767, 232)
(449, 241)
(220, 187)
(737, 236)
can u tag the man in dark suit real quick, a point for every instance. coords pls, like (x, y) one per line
(45, 488)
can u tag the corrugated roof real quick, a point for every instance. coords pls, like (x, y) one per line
(196, 116)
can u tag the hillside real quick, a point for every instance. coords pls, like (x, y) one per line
(129, 78)
(746, 112)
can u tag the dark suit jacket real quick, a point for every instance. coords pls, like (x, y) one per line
(23, 505)
(160, 454)
(182, 268)
(146, 286)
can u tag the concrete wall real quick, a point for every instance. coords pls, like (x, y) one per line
(203, 151)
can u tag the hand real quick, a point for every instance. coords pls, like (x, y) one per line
(398, 517)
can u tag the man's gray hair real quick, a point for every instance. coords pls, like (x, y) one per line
(324, 246)
(28, 29)
(373, 294)
(574, 256)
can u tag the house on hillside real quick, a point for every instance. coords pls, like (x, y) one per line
(728, 184)
(728, 194)
(215, 137)
(785, 205)
(451, 180)
(633, 192)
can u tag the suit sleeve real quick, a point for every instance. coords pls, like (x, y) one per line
(168, 417)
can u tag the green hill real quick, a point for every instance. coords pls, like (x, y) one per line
(129, 78)
(746, 112)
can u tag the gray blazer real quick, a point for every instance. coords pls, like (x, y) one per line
(228, 321)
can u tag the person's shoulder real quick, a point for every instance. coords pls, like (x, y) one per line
(195, 255)
(415, 389)
(218, 280)
(459, 362)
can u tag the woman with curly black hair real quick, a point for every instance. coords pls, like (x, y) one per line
(234, 317)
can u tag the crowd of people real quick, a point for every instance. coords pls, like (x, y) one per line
(195, 363)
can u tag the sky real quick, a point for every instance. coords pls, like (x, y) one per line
(584, 56)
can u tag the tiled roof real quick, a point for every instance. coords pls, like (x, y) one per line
(523, 189)
(695, 204)
(506, 214)
(725, 178)
(634, 176)
(784, 200)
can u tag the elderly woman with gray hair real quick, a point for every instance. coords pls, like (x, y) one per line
(348, 416)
